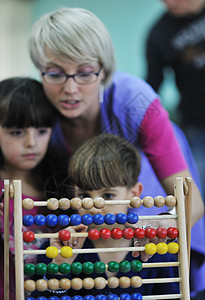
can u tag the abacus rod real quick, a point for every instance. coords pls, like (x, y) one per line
(161, 280)
(157, 217)
(56, 235)
(6, 239)
(164, 297)
(40, 203)
(188, 210)
(162, 264)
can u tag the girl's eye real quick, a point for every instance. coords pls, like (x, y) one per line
(108, 196)
(43, 131)
(16, 132)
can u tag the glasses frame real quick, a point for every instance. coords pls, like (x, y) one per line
(67, 76)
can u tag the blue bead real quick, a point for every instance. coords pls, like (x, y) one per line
(63, 220)
(30, 298)
(28, 220)
(110, 219)
(41, 298)
(40, 220)
(112, 297)
(75, 219)
(121, 218)
(100, 297)
(77, 297)
(132, 218)
(87, 219)
(136, 296)
(65, 298)
(98, 219)
(89, 297)
(51, 220)
(53, 298)
(125, 296)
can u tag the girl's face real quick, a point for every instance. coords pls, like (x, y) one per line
(71, 99)
(24, 148)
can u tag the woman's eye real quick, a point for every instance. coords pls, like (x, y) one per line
(108, 196)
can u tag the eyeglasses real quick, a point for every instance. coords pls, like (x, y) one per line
(80, 78)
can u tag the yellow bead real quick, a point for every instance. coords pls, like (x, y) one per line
(51, 252)
(150, 248)
(173, 248)
(66, 251)
(162, 248)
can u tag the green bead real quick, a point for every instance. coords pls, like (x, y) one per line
(88, 267)
(99, 267)
(64, 268)
(136, 265)
(41, 269)
(53, 268)
(113, 266)
(29, 269)
(76, 268)
(125, 266)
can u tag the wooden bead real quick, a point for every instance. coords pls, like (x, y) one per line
(76, 203)
(100, 283)
(148, 202)
(76, 283)
(159, 201)
(41, 285)
(170, 201)
(135, 202)
(64, 203)
(87, 203)
(113, 282)
(27, 203)
(65, 284)
(52, 204)
(88, 283)
(99, 202)
(11, 191)
(124, 282)
(53, 284)
(136, 281)
(29, 285)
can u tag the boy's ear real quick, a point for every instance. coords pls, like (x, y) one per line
(137, 189)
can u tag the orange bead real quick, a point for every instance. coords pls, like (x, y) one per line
(41, 285)
(113, 282)
(65, 284)
(88, 283)
(124, 282)
(76, 283)
(136, 281)
(100, 283)
(29, 285)
(53, 284)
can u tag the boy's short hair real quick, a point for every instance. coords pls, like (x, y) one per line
(105, 161)
(73, 35)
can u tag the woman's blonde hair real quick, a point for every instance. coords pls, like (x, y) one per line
(72, 35)
(105, 161)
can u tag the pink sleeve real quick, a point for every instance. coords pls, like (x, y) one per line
(159, 143)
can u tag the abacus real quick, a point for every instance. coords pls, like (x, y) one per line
(182, 203)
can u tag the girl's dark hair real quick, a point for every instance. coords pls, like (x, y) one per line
(23, 103)
(105, 161)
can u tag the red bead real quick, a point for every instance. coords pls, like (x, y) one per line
(105, 233)
(116, 233)
(139, 233)
(161, 232)
(64, 235)
(128, 233)
(172, 232)
(28, 236)
(93, 234)
(150, 233)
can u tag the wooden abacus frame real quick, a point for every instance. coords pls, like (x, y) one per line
(183, 195)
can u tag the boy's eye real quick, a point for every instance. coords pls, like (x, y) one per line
(83, 195)
(108, 196)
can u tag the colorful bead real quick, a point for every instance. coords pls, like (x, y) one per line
(52, 268)
(77, 297)
(98, 219)
(64, 268)
(51, 220)
(139, 233)
(135, 202)
(136, 282)
(41, 285)
(64, 203)
(88, 283)
(75, 220)
(30, 285)
(159, 201)
(121, 218)
(113, 266)
(99, 202)
(53, 298)
(100, 297)
(124, 282)
(150, 248)
(40, 220)
(76, 268)
(136, 296)
(113, 282)
(105, 233)
(41, 298)
(63, 220)
(99, 267)
(52, 204)
(65, 298)
(150, 233)
(125, 266)
(87, 219)
(132, 218)
(76, 284)
(66, 251)
(170, 201)
(173, 248)
(76, 203)
(148, 202)
(112, 297)
(64, 235)
(28, 236)
(41, 269)
(125, 296)
(136, 265)
(162, 248)
(51, 252)
(110, 219)
(89, 297)
(93, 234)
(116, 233)
(172, 232)
(87, 203)
(28, 203)
(161, 232)
(29, 269)
(100, 283)
(128, 233)
(88, 267)
(28, 220)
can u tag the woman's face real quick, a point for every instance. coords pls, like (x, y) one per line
(71, 99)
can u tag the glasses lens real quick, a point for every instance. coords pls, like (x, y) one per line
(85, 78)
(55, 78)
